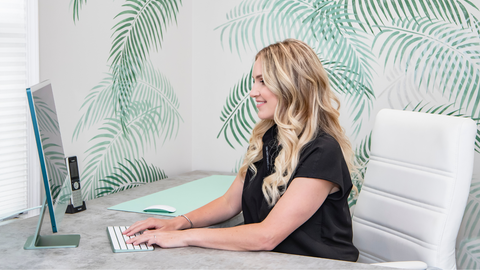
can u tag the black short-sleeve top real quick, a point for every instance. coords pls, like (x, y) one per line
(328, 233)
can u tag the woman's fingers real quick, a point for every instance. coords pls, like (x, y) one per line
(164, 239)
(150, 223)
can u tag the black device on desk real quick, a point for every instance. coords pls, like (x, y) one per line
(77, 204)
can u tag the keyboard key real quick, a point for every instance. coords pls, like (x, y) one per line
(118, 240)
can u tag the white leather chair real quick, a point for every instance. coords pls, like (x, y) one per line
(415, 189)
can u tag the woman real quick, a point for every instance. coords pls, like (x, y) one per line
(294, 182)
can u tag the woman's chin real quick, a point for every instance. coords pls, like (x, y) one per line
(269, 117)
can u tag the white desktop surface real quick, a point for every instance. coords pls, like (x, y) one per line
(94, 251)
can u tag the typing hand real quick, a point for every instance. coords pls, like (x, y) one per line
(164, 239)
(150, 223)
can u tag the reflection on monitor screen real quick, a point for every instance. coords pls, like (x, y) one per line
(50, 149)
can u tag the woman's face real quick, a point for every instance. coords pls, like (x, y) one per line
(266, 100)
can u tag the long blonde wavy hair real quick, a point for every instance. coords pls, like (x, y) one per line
(306, 105)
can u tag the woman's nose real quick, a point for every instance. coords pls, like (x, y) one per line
(253, 92)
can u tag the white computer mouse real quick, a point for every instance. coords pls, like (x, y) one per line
(160, 208)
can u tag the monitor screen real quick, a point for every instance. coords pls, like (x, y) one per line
(50, 150)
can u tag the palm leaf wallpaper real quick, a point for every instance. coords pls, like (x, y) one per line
(130, 174)
(412, 55)
(134, 107)
(53, 152)
(326, 25)
(419, 50)
(239, 113)
(468, 251)
(434, 46)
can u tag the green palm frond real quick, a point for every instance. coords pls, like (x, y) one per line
(53, 153)
(97, 106)
(476, 25)
(447, 109)
(400, 89)
(77, 5)
(151, 86)
(46, 117)
(55, 191)
(325, 25)
(468, 255)
(471, 226)
(477, 139)
(112, 144)
(362, 157)
(261, 22)
(141, 27)
(377, 13)
(55, 163)
(358, 96)
(440, 54)
(239, 113)
(128, 175)
(342, 79)
(155, 88)
(154, 113)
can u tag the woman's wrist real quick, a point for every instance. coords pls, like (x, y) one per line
(189, 221)
(181, 223)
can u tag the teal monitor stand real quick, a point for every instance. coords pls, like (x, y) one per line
(38, 241)
(56, 179)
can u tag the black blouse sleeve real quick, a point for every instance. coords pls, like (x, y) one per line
(323, 159)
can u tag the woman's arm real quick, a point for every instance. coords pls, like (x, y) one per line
(220, 209)
(301, 200)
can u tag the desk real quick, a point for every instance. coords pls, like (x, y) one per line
(94, 251)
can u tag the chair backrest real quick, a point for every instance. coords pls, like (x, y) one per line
(415, 188)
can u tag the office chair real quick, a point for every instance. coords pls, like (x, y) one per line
(415, 190)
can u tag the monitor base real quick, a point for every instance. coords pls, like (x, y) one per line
(38, 241)
(52, 241)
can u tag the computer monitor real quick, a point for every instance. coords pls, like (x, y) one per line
(52, 164)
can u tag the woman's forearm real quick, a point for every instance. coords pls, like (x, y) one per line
(219, 210)
(212, 213)
(251, 237)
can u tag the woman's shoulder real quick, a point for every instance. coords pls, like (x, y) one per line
(324, 141)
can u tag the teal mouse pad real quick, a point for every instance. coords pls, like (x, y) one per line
(185, 198)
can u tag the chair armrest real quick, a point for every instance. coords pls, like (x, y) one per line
(415, 265)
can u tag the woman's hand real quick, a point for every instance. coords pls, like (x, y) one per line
(152, 223)
(171, 232)
(162, 238)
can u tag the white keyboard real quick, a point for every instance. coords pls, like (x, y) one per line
(117, 240)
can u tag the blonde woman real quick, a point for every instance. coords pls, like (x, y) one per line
(294, 181)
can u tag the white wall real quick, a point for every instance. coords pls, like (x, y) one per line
(216, 71)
